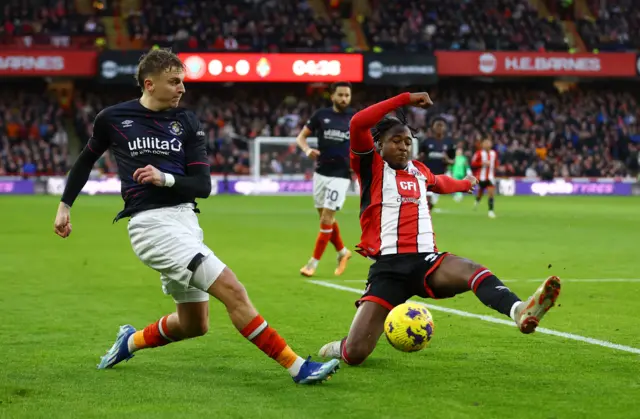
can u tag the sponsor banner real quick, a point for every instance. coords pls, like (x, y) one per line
(118, 67)
(399, 69)
(527, 64)
(27, 63)
(511, 187)
(257, 67)
(267, 186)
(14, 187)
(104, 186)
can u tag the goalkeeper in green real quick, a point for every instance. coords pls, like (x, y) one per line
(459, 169)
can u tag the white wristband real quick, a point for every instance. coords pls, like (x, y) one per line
(169, 180)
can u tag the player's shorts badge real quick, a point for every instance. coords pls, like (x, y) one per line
(176, 128)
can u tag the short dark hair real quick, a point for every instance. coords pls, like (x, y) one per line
(156, 61)
(334, 86)
(385, 125)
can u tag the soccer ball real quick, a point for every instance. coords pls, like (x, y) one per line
(409, 327)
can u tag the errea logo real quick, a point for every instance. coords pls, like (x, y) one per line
(154, 145)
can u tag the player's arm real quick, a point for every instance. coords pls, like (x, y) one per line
(307, 130)
(197, 181)
(444, 184)
(79, 174)
(367, 118)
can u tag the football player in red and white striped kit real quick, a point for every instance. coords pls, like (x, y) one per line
(398, 234)
(484, 164)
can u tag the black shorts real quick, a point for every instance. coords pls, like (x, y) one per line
(393, 279)
(484, 184)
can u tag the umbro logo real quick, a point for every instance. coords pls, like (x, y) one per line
(127, 123)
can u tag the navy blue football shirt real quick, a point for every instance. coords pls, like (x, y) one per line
(332, 130)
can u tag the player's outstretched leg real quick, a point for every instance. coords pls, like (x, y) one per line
(191, 320)
(255, 328)
(491, 192)
(366, 329)
(456, 275)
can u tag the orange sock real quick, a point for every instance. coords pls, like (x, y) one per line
(326, 231)
(154, 335)
(336, 240)
(269, 341)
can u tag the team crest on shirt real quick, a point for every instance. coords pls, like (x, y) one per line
(176, 128)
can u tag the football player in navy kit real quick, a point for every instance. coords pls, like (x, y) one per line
(162, 160)
(437, 153)
(332, 176)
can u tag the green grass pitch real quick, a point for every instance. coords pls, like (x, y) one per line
(63, 300)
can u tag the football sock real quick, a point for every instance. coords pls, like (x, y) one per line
(336, 240)
(490, 204)
(326, 230)
(152, 336)
(269, 341)
(345, 356)
(492, 292)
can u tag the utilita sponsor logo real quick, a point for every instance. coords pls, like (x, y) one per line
(19, 62)
(488, 64)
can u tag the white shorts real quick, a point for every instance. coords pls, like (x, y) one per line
(330, 192)
(167, 240)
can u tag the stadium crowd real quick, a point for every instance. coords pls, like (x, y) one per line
(45, 18)
(33, 138)
(537, 131)
(283, 25)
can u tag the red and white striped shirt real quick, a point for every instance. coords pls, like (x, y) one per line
(394, 213)
(478, 162)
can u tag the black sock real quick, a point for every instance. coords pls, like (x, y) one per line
(491, 204)
(492, 292)
(478, 198)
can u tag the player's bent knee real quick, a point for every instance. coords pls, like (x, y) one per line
(327, 217)
(229, 290)
(355, 353)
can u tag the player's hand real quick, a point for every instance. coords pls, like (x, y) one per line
(312, 153)
(473, 181)
(149, 174)
(420, 100)
(62, 224)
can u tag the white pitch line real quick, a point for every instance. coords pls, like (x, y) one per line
(602, 280)
(490, 319)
